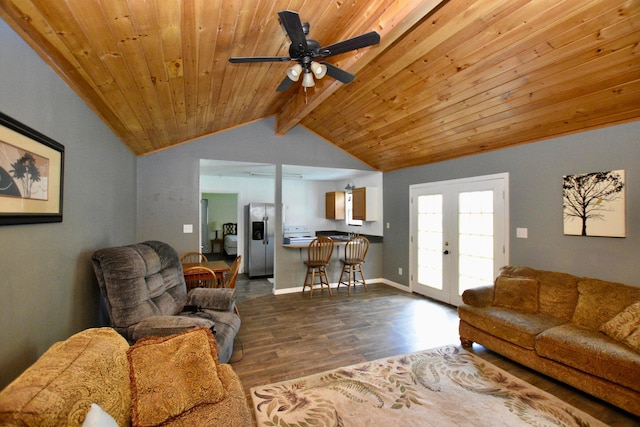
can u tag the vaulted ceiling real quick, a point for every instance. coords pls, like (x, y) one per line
(450, 78)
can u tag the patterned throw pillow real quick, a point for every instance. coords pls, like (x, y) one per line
(517, 293)
(172, 375)
(625, 326)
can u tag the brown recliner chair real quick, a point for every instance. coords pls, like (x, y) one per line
(145, 294)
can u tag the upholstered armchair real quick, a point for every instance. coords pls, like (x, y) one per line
(145, 294)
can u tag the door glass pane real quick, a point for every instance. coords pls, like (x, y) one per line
(430, 240)
(475, 239)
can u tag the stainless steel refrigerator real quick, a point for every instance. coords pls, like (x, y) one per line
(261, 222)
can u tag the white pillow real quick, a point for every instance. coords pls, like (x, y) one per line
(97, 417)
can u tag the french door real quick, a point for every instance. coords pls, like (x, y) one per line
(459, 235)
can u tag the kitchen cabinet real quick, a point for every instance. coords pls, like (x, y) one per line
(334, 205)
(365, 203)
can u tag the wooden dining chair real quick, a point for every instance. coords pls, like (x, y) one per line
(232, 276)
(354, 254)
(193, 258)
(200, 277)
(318, 258)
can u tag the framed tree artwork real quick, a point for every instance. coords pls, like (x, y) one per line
(594, 204)
(31, 175)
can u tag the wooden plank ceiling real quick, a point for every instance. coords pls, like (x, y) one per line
(449, 79)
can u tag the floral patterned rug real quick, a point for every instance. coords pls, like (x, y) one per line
(446, 386)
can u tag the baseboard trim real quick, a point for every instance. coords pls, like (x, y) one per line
(335, 285)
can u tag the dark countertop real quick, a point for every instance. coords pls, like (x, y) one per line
(372, 238)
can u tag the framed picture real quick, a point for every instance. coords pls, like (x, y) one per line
(31, 175)
(594, 204)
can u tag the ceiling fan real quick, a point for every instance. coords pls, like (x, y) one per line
(305, 51)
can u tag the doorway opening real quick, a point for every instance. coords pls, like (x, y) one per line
(221, 208)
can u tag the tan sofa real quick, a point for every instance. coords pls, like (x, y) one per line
(583, 332)
(97, 366)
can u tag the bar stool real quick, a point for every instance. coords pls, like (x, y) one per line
(354, 253)
(318, 258)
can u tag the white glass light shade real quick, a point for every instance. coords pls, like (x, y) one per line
(307, 80)
(319, 70)
(294, 72)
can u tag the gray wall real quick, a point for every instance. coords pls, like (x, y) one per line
(168, 181)
(536, 172)
(48, 289)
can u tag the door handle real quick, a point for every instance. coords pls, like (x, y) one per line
(446, 252)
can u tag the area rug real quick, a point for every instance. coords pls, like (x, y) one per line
(446, 386)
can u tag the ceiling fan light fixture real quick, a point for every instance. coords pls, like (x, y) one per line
(294, 72)
(307, 80)
(319, 70)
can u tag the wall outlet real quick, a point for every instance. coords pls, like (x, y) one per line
(187, 228)
(400, 271)
(522, 233)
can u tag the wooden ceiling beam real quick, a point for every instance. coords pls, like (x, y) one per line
(393, 23)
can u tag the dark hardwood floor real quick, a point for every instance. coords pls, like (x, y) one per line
(288, 336)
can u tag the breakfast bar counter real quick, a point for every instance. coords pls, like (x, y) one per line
(293, 267)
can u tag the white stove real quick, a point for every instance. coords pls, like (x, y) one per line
(297, 234)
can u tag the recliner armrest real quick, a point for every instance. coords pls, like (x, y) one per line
(222, 299)
(478, 297)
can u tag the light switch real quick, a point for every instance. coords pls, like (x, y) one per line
(187, 228)
(388, 225)
(522, 233)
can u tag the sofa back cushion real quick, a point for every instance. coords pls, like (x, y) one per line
(599, 301)
(518, 293)
(139, 281)
(59, 388)
(558, 293)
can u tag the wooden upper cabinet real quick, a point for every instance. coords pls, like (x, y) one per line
(334, 204)
(365, 203)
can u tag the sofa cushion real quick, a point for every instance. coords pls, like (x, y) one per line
(172, 375)
(231, 412)
(59, 388)
(591, 351)
(625, 326)
(600, 301)
(558, 291)
(514, 326)
(518, 293)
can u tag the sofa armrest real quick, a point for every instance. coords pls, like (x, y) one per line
(221, 299)
(478, 297)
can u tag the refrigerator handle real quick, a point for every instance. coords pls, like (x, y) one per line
(266, 230)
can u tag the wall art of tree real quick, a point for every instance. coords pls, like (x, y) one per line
(26, 171)
(590, 197)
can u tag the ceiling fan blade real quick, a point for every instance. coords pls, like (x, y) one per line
(292, 24)
(338, 73)
(354, 43)
(243, 59)
(286, 84)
